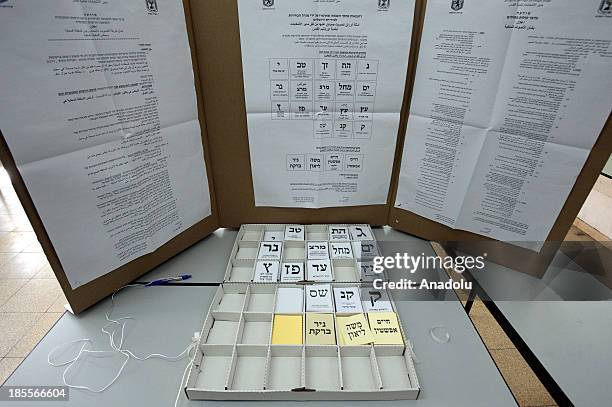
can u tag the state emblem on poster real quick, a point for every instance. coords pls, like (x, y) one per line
(268, 3)
(384, 4)
(456, 4)
(152, 5)
(605, 7)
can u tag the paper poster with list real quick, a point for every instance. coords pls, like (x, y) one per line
(324, 84)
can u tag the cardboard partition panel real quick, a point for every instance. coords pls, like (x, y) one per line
(217, 41)
(505, 254)
(86, 295)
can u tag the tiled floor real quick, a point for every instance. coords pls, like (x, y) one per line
(31, 300)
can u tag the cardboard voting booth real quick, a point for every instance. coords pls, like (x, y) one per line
(214, 40)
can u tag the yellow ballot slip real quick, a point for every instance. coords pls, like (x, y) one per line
(287, 330)
(385, 328)
(354, 330)
(320, 329)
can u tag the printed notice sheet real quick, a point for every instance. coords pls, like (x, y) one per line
(324, 83)
(509, 98)
(98, 108)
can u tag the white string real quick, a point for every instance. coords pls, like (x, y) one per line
(117, 348)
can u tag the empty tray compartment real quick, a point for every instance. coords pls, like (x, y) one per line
(284, 368)
(359, 370)
(246, 250)
(260, 298)
(393, 368)
(316, 232)
(322, 368)
(211, 374)
(253, 233)
(222, 328)
(241, 270)
(256, 329)
(249, 367)
(231, 299)
(346, 270)
(294, 250)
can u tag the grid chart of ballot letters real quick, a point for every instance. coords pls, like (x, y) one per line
(336, 94)
(292, 253)
(301, 340)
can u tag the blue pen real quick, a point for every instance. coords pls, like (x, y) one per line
(164, 281)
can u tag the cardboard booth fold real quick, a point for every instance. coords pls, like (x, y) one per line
(215, 44)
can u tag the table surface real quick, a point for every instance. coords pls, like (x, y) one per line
(458, 373)
(571, 338)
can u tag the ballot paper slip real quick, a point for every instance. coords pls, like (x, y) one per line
(385, 328)
(361, 232)
(319, 270)
(347, 300)
(317, 250)
(365, 249)
(266, 271)
(274, 236)
(320, 329)
(338, 233)
(270, 250)
(292, 272)
(295, 232)
(355, 330)
(341, 250)
(319, 298)
(287, 330)
(375, 300)
(289, 300)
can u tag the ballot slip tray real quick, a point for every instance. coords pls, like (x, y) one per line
(238, 357)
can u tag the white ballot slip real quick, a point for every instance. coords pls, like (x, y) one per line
(341, 250)
(317, 250)
(292, 272)
(361, 232)
(289, 300)
(347, 300)
(338, 233)
(365, 250)
(295, 232)
(324, 85)
(319, 298)
(366, 270)
(319, 270)
(508, 100)
(375, 300)
(99, 111)
(270, 250)
(274, 236)
(266, 272)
